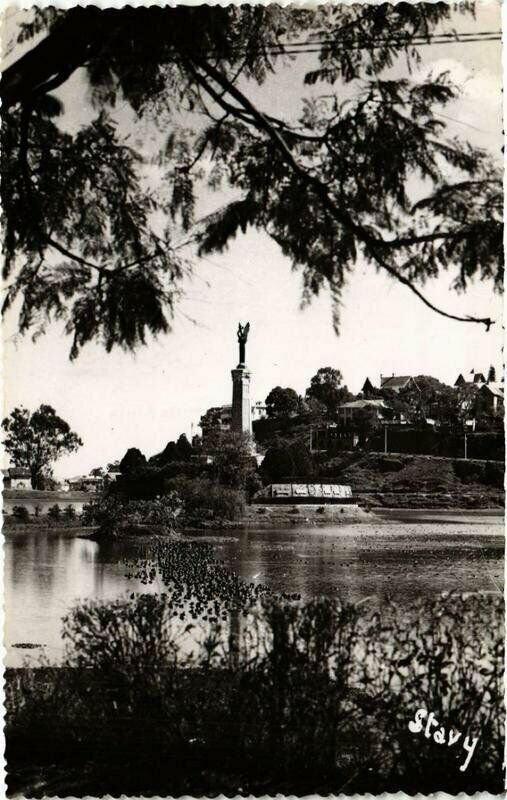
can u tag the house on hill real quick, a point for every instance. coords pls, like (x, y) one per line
(355, 409)
(397, 383)
(393, 383)
(478, 379)
(85, 483)
(493, 397)
(17, 478)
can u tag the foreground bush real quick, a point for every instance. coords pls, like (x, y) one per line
(21, 513)
(204, 498)
(113, 513)
(271, 696)
(55, 512)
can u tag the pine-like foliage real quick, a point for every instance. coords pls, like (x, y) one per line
(88, 240)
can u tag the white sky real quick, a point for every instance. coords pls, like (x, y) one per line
(121, 400)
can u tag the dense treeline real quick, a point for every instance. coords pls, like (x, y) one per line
(309, 438)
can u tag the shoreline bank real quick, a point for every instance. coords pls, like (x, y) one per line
(276, 517)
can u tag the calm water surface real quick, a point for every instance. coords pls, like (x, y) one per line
(404, 556)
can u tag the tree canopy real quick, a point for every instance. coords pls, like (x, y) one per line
(36, 440)
(326, 387)
(132, 462)
(90, 241)
(281, 402)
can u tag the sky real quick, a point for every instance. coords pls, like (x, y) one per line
(120, 400)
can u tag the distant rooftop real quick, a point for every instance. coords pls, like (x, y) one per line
(495, 388)
(16, 472)
(394, 382)
(364, 404)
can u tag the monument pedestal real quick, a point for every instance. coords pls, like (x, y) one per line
(241, 415)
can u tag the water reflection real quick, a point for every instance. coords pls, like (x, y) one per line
(45, 574)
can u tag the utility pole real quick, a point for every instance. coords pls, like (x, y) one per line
(385, 438)
(466, 456)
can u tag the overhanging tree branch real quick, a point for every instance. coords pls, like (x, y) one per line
(251, 115)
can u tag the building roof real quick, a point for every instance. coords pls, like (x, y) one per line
(495, 388)
(85, 478)
(364, 404)
(16, 472)
(395, 382)
(477, 377)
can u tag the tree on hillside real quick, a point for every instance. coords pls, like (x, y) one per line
(133, 462)
(399, 405)
(468, 401)
(326, 387)
(233, 463)
(288, 459)
(181, 450)
(492, 374)
(36, 440)
(168, 454)
(282, 402)
(88, 242)
(314, 410)
(210, 424)
(184, 449)
(278, 463)
(436, 400)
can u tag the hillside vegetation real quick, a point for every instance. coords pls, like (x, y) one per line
(406, 480)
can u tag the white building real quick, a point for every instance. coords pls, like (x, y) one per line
(17, 478)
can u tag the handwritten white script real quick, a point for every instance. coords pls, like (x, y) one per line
(440, 736)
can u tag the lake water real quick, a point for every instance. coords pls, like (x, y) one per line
(401, 556)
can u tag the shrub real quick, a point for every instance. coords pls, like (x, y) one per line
(21, 513)
(204, 498)
(130, 636)
(425, 475)
(303, 697)
(69, 513)
(55, 512)
(114, 512)
(494, 475)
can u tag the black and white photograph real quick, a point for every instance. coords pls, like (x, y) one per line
(252, 432)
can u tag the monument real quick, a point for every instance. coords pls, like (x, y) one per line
(241, 421)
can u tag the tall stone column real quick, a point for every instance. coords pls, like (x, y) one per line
(241, 413)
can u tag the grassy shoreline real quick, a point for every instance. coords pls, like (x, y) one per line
(271, 517)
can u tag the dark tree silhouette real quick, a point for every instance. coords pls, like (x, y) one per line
(132, 462)
(82, 236)
(184, 448)
(326, 387)
(281, 402)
